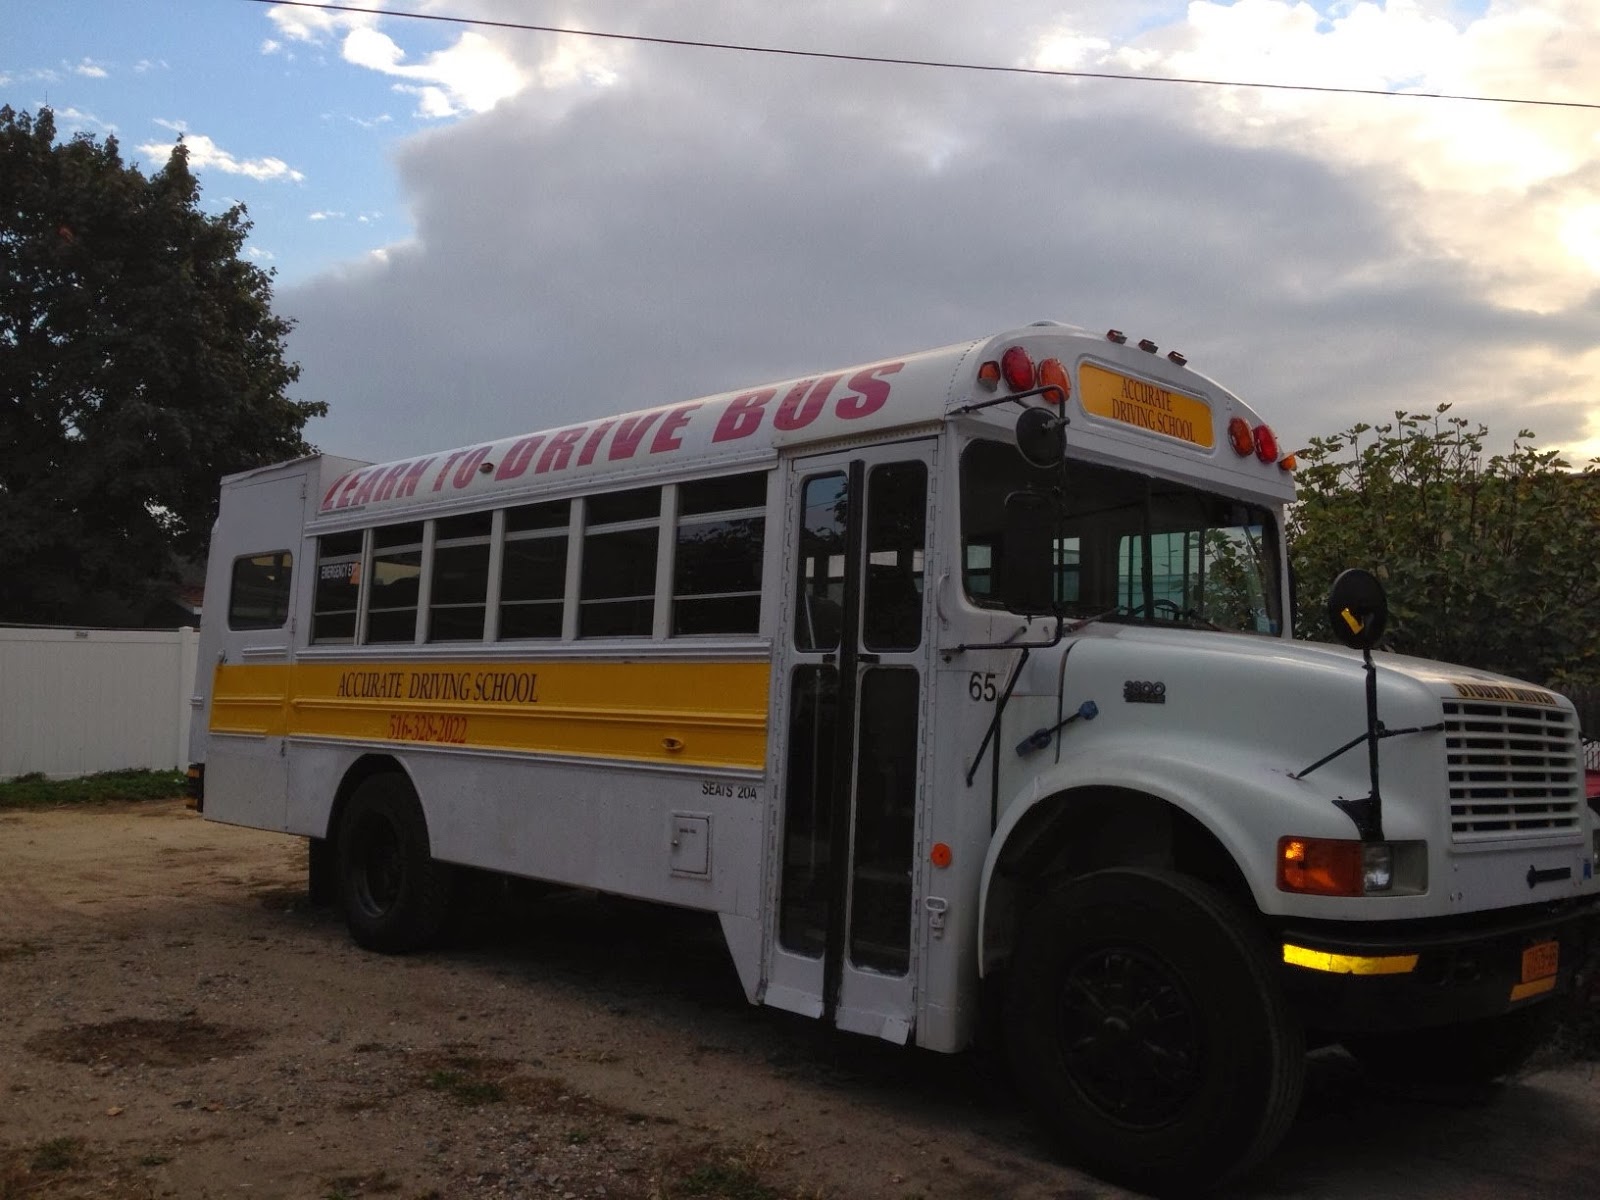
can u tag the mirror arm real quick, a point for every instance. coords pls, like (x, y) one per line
(978, 405)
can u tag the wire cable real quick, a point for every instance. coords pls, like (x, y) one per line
(939, 64)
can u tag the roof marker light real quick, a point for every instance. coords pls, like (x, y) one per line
(989, 374)
(1175, 357)
(1017, 367)
(1288, 463)
(1148, 346)
(1239, 437)
(1116, 335)
(1266, 445)
(1053, 375)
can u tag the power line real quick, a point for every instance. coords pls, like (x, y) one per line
(939, 64)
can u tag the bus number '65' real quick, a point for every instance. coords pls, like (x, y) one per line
(981, 685)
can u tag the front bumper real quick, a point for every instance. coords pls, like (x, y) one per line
(1348, 978)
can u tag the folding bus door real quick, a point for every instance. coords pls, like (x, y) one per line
(854, 657)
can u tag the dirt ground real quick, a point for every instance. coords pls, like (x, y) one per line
(175, 1020)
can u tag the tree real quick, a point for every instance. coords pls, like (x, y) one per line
(140, 360)
(1491, 561)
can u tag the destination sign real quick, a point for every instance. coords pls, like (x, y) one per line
(1145, 405)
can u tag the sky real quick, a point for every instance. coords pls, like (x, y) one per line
(481, 231)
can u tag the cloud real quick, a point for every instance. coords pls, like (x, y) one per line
(73, 120)
(205, 154)
(323, 215)
(315, 25)
(696, 220)
(90, 69)
(473, 75)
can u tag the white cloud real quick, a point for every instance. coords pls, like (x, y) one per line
(732, 218)
(325, 215)
(316, 25)
(206, 154)
(260, 255)
(72, 120)
(90, 69)
(473, 75)
(271, 46)
(1505, 189)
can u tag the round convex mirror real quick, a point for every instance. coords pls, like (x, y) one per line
(1358, 608)
(1041, 437)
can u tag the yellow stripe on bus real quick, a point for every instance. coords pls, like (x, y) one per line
(696, 713)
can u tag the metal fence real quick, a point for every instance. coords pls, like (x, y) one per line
(77, 701)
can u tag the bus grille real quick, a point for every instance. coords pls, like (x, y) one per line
(1515, 772)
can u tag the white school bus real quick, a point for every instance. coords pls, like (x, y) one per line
(962, 675)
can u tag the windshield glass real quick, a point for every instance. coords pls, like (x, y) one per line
(1130, 548)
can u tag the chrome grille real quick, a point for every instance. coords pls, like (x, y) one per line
(1515, 771)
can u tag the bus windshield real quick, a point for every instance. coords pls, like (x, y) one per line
(1130, 547)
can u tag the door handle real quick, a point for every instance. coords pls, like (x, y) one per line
(867, 658)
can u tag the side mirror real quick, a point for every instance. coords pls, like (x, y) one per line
(1358, 609)
(1041, 437)
(1027, 549)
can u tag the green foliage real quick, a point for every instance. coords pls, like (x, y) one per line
(140, 361)
(109, 787)
(1491, 561)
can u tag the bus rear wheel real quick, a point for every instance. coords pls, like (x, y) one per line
(394, 895)
(1145, 1022)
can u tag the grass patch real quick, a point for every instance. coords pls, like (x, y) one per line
(11, 950)
(58, 1154)
(465, 1088)
(718, 1173)
(348, 1187)
(108, 787)
(727, 1181)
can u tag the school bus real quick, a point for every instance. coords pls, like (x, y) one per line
(960, 685)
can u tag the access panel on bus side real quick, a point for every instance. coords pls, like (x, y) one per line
(247, 644)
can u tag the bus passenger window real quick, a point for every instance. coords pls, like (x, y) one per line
(617, 595)
(533, 574)
(333, 612)
(460, 578)
(396, 582)
(258, 594)
(716, 583)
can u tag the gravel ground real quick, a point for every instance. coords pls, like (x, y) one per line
(178, 1022)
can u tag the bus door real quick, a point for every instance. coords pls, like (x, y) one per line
(246, 646)
(852, 656)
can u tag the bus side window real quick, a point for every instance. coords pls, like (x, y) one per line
(617, 595)
(460, 595)
(716, 577)
(258, 592)
(533, 577)
(333, 612)
(395, 584)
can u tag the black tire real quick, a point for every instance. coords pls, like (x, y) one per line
(395, 896)
(1146, 1024)
(1476, 1052)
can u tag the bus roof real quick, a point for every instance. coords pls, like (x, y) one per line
(1127, 404)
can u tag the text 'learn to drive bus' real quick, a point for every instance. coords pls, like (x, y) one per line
(957, 674)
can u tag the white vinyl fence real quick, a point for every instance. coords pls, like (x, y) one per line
(77, 701)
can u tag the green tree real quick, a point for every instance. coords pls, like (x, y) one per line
(140, 360)
(1491, 561)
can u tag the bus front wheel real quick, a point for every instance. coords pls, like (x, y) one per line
(1146, 1024)
(394, 895)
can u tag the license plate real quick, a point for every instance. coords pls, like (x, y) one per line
(1540, 961)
